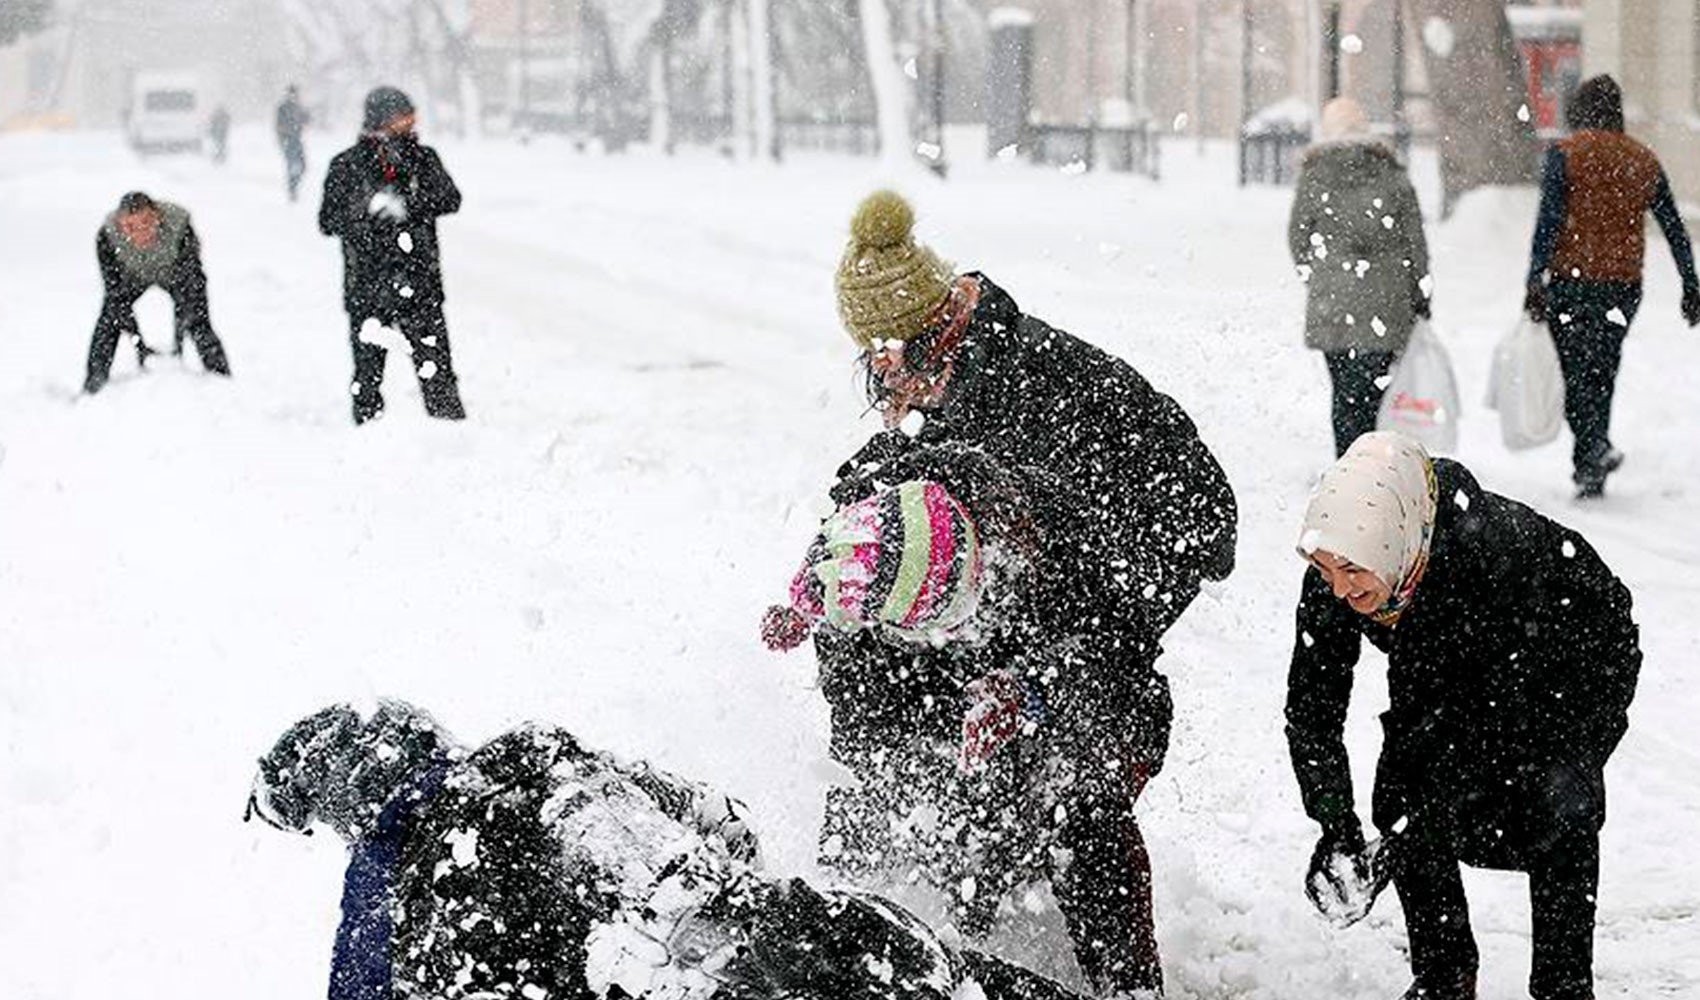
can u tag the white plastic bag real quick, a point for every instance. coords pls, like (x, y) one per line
(1421, 400)
(1526, 386)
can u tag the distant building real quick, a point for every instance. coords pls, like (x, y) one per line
(79, 72)
(1652, 47)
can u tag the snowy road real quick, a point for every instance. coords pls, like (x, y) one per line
(659, 390)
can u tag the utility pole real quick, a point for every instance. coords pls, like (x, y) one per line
(1245, 85)
(525, 62)
(938, 164)
(1401, 129)
(1331, 52)
(1199, 22)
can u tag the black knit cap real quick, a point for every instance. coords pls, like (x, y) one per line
(1597, 104)
(384, 105)
(133, 202)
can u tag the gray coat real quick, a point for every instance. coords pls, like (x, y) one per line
(1356, 233)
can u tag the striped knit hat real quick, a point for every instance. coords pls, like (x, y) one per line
(906, 559)
(888, 285)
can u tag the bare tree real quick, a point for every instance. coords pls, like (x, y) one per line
(21, 17)
(1479, 95)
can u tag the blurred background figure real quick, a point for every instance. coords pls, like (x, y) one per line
(1590, 248)
(144, 243)
(218, 127)
(292, 118)
(1356, 236)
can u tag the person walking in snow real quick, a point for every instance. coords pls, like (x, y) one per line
(1356, 235)
(951, 360)
(1512, 659)
(382, 198)
(291, 121)
(534, 866)
(142, 244)
(219, 128)
(1586, 262)
(972, 679)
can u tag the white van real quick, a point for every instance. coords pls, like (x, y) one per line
(166, 112)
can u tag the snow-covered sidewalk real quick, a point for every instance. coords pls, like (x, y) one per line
(659, 392)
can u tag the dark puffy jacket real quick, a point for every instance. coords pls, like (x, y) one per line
(536, 867)
(1357, 229)
(389, 266)
(1518, 652)
(1146, 493)
(1129, 512)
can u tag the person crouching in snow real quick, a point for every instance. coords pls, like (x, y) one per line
(144, 243)
(1512, 659)
(999, 716)
(535, 867)
(383, 196)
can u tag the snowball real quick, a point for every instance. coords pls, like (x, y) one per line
(912, 423)
(428, 370)
(405, 241)
(1616, 316)
(1568, 549)
(1352, 45)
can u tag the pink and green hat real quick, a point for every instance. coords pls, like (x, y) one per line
(907, 559)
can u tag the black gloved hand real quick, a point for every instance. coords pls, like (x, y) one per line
(1338, 867)
(1691, 306)
(1535, 301)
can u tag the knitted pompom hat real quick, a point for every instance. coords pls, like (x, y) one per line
(907, 559)
(887, 283)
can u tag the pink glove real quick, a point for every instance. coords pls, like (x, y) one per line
(785, 628)
(998, 709)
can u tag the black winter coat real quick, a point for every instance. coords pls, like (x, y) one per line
(1516, 654)
(389, 266)
(1131, 510)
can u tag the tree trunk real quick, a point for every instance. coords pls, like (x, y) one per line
(764, 101)
(1476, 83)
(890, 95)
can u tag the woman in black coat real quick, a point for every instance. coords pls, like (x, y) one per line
(1512, 658)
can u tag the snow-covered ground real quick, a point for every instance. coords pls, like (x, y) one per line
(659, 391)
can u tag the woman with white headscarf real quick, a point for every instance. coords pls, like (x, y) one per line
(1356, 235)
(1511, 662)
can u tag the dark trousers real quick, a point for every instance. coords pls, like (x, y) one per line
(428, 342)
(798, 942)
(1359, 379)
(118, 319)
(1589, 321)
(294, 165)
(1105, 892)
(1546, 824)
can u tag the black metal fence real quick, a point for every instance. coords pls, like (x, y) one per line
(855, 137)
(1271, 155)
(1127, 148)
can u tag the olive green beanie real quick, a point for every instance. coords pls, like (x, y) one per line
(887, 283)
